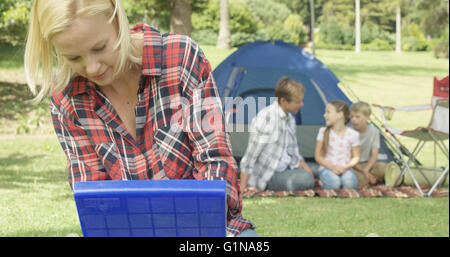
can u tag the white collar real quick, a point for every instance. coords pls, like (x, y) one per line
(281, 113)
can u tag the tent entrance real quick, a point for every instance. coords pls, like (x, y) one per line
(250, 90)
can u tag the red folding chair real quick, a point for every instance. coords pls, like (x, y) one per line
(437, 131)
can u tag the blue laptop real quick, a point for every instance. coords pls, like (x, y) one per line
(151, 208)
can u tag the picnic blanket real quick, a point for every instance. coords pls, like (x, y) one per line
(374, 191)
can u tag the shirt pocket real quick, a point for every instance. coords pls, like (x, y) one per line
(107, 155)
(174, 152)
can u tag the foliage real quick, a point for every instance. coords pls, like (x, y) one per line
(288, 20)
(441, 50)
(414, 39)
(17, 114)
(241, 18)
(331, 31)
(296, 31)
(252, 20)
(13, 21)
(432, 16)
(341, 11)
(378, 45)
(155, 12)
(302, 8)
(269, 12)
(205, 37)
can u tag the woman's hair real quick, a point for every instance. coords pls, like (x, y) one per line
(288, 88)
(340, 106)
(50, 17)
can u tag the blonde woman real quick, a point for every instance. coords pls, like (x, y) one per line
(126, 103)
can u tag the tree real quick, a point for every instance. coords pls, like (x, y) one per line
(180, 16)
(398, 38)
(313, 20)
(433, 16)
(357, 26)
(224, 39)
(303, 8)
(172, 14)
(14, 17)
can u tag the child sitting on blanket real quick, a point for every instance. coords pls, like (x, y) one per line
(272, 160)
(368, 171)
(337, 149)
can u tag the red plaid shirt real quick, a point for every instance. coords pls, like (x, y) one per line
(175, 79)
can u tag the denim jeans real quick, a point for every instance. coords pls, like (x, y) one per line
(333, 181)
(291, 180)
(248, 233)
(315, 168)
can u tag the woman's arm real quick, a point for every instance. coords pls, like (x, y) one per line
(82, 159)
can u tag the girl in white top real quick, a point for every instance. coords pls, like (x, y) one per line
(337, 149)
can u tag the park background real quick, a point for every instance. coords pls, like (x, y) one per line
(403, 45)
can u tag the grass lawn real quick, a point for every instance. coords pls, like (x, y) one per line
(36, 200)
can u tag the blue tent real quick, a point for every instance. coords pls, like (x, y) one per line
(252, 72)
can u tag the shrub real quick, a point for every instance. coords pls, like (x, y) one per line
(323, 45)
(296, 31)
(413, 38)
(369, 32)
(378, 45)
(205, 37)
(240, 38)
(13, 23)
(348, 35)
(441, 50)
(241, 18)
(331, 31)
(268, 12)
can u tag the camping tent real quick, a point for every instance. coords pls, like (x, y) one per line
(251, 73)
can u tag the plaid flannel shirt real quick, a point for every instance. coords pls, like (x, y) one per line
(98, 146)
(267, 145)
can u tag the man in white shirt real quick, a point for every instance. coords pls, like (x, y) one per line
(272, 160)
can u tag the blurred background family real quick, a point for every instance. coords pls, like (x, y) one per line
(346, 152)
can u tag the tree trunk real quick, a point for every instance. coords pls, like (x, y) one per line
(180, 17)
(398, 40)
(357, 27)
(224, 40)
(313, 24)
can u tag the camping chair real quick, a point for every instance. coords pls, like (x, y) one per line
(437, 131)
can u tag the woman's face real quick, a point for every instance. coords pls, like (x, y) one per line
(88, 48)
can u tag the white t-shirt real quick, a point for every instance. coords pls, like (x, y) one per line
(340, 147)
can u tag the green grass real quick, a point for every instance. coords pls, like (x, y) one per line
(11, 64)
(318, 217)
(36, 200)
(11, 57)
